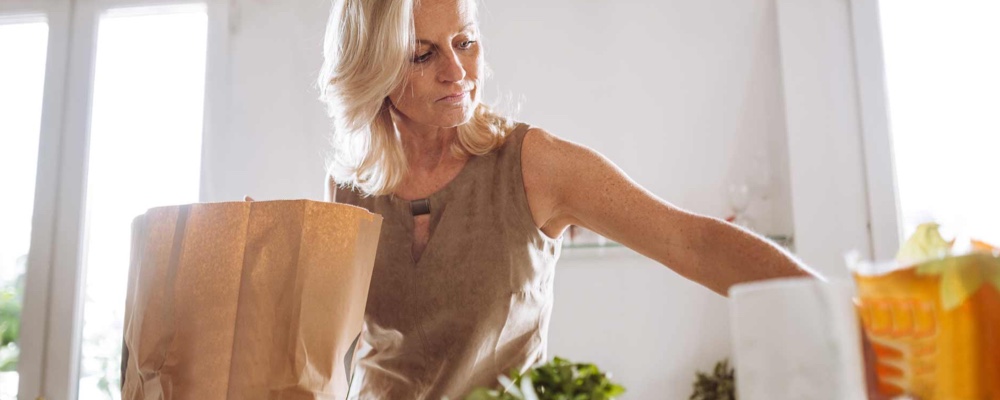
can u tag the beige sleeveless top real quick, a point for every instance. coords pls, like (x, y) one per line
(478, 301)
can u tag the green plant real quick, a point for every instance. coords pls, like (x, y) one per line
(720, 385)
(558, 379)
(101, 347)
(11, 294)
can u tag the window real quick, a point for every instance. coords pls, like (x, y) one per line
(145, 151)
(23, 45)
(943, 83)
(102, 111)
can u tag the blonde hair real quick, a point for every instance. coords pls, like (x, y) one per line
(367, 53)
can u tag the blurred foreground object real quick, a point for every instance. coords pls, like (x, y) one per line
(933, 319)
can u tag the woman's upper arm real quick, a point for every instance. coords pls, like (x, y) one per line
(587, 189)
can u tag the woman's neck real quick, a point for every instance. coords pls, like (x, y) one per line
(426, 147)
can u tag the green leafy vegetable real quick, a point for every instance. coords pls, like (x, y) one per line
(11, 294)
(925, 243)
(558, 379)
(721, 385)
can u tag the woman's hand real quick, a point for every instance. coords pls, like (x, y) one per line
(574, 185)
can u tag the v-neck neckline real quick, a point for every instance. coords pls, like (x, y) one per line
(402, 206)
(440, 192)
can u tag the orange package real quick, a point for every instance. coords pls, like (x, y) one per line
(934, 325)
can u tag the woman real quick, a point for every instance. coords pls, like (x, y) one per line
(475, 205)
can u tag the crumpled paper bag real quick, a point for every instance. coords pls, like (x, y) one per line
(247, 300)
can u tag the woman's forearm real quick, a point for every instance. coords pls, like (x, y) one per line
(728, 255)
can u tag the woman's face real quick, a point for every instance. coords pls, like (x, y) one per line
(442, 82)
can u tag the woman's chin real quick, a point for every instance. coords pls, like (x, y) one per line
(453, 118)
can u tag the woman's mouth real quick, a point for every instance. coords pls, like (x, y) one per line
(454, 97)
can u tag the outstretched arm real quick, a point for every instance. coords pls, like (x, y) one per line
(588, 190)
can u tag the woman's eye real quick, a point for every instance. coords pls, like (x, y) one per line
(466, 44)
(421, 58)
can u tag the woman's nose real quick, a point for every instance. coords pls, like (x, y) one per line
(452, 70)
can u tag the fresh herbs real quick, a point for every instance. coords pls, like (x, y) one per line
(11, 295)
(721, 385)
(558, 379)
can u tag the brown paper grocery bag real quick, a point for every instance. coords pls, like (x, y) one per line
(247, 300)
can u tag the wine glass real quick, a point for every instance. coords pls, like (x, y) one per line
(739, 201)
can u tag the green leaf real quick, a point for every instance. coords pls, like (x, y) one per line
(721, 385)
(926, 243)
(559, 379)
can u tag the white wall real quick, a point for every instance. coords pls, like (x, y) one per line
(680, 94)
(631, 316)
(677, 93)
(271, 145)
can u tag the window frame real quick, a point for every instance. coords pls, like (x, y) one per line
(873, 106)
(843, 183)
(52, 318)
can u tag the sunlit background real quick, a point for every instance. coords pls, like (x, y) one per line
(22, 76)
(944, 102)
(145, 151)
(147, 122)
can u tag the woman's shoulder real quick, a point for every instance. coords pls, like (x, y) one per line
(544, 151)
(553, 165)
(516, 140)
(545, 168)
